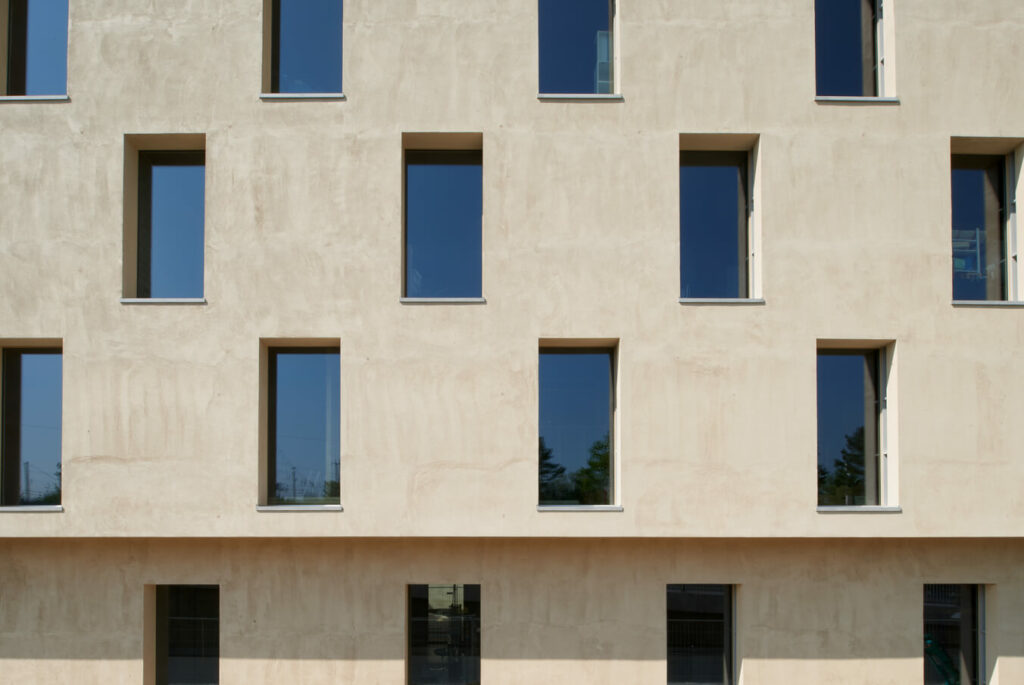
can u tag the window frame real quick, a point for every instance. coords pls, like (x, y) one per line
(730, 649)
(615, 93)
(470, 154)
(10, 440)
(270, 81)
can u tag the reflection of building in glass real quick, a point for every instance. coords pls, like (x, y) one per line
(603, 69)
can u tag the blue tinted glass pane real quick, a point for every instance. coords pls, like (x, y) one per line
(575, 427)
(839, 47)
(307, 422)
(444, 634)
(841, 429)
(177, 231)
(575, 46)
(712, 246)
(442, 230)
(979, 258)
(46, 49)
(40, 428)
(309, 48)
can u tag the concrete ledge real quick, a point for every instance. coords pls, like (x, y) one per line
(987, 303)
(854, 100)
(276, 97)
(33, 509)
(580, 97)
(442, 300)
(34, 98)
(298, 507)
(578, 507)
(721, 300)
(163, 300)
(865, 509)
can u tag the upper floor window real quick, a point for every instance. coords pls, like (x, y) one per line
(443, 236)
(700, 634)
(303, 40)
(954, 634)
(33, 47)
(577, 403)
(848, 42)
(577, 46)
(444, 635)
(983, 257)
(30, 472)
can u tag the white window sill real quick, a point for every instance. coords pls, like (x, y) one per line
(578, 507)
(856, 100)
(298, 507)
(863, 509)
(34, 98)
(721, 300)
(33, 509)
(271, 97)
(163, 300)
(580, 97)
(442, 300)
(987, 303)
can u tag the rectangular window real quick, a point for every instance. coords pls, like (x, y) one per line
(700, 636)
(576, 46)
(34, 47)
(954, 629)
(850, 410)
(848, 47)
(713, 226)
(443, 217)
(444, 635)
(187, 635)
(980, 246)
(171, 218)
(30, 465)
(303, 422)
(577, 403)
(303, 40)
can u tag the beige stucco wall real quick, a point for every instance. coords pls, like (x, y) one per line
(717, 433)
(565, 611)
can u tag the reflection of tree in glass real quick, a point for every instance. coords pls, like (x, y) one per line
(590, 484)
(844, 483)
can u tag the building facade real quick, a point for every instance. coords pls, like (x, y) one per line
(196, 217)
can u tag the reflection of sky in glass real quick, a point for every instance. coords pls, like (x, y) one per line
(442, 230)
(177, 231)
(971, 268)
(840, 403)
(40, 424)
(46, 64)
(575, 404)
(310, 46)
(837, 38)
(307, 416)
(709, 231)
(568, 44)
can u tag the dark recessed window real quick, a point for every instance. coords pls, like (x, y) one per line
(576, 46)
(576, 407)
(443, 236)
(700, 634)
(35, 61)
(305, 46)
(444, 635)
(846, 42)
(187, 634)
(171, 210)
(32, 382)
(303, 447)
(979, 227)
(713, 253)
(953, 634)
(848, 427)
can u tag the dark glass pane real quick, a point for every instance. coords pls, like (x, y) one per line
(444, 634)
(847, 428)
(950, 634)
(844, 41)
(176, 230)
(37, 41)
(32, 427)
(575, 426)
(979, 228)
(307, 36)
(305, 447)
(712, 224)
(189, 617)
(699, 634)
(443, 206)
(575, 46)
